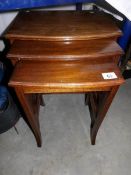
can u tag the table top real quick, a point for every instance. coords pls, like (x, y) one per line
(57, 51)
(62, 25)
(63, 76)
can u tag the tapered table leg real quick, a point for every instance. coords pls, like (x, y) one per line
(31, 113)
(87, 99)
(103, 108)
(42, 102)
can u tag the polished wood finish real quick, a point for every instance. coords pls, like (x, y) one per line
(94, 50)
(62, 26)
(44, 77)
(41, 77)
(64, 52)
(32, 112)
(100, 110)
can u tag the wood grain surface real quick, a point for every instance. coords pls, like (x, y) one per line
(62, 25)
(73, 50)
(44, 77)
(64, 52)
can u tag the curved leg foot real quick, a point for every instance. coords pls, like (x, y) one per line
(103, 108)
(32, 113)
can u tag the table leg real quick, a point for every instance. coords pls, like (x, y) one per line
(105, 100)
(31, 113)
(42, 102)
(86, 99)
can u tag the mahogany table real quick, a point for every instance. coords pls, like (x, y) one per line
(65, 52)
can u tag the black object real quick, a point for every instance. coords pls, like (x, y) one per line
(9, 114)
(1, 71)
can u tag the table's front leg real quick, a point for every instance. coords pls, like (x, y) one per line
(103, 106)
(30, 104)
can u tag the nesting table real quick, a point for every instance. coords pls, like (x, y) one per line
(64, 52)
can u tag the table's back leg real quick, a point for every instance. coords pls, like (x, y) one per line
(103, 106)
(42, 102)
(32, 116)
(87, 98)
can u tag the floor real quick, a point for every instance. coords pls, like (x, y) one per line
(66, 150)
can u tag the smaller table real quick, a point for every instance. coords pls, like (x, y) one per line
(63, 77)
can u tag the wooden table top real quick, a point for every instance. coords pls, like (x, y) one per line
(39, 50)
(63, 76)
(62, 25)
